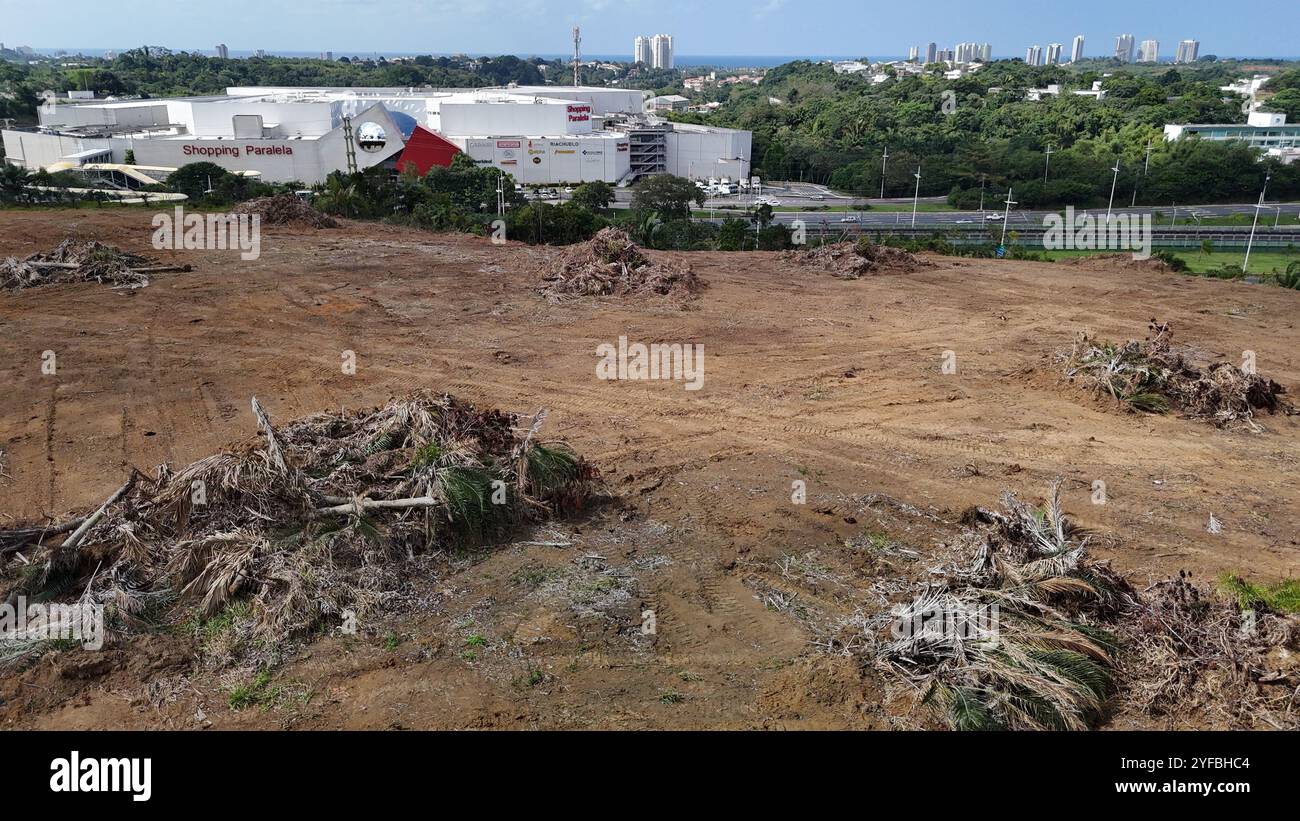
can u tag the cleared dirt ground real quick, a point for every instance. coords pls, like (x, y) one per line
(836, 383)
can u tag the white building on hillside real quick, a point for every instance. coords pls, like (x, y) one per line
(540, 134)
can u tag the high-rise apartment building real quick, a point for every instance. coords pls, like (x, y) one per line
(1054, 54)
(223, 52)
(1124, 48)
(1188, 51)
(1149, 52)
(661, 51)
(641, 51)
(1076, 50)
(931, 52)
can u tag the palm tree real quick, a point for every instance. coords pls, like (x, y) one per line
(648, 230)
(341, 197)
(14, 180)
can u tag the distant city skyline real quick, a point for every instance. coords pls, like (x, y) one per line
(777, 28)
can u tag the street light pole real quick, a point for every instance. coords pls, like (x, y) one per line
(883, 159)
(982, 178)
(1006, 217)
(1246, 262)
(1047, 161)
(916, 196)
(1113, 182)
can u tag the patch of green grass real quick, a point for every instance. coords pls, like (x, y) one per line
(254, 693)
(672, 697)
(877, 541)
(687, 675)
(475, 640)
(1262, 260)
(208, 631)
(533, 576)
(391, 641)
(1283, 597)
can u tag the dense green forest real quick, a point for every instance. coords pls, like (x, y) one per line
(811, 123)
(971, 138)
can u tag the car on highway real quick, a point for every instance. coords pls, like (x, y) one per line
(849, 218)
(992, 217)
(817, 197)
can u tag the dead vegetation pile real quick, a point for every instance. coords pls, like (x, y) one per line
(854, 260)
(286, 209)
(1022, 629)
(315, 519)
(1155, 376)
(77, 261)
(1122, 262)
(1014, 634)
(611, 264)
(1196, 657)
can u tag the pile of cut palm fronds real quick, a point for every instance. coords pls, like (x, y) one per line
(1155, 376)
(854, 260)
(76, 261)
(285, 209)
(610, 264)
(315, 518)
(1021, 629)
(1203, 661)
(1014, 636)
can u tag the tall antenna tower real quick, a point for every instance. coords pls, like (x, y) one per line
(577, 55)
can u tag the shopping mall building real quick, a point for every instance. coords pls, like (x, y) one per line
(538, 134)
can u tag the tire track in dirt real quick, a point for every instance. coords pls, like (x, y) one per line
(51, 409)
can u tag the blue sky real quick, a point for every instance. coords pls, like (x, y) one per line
(714, 27)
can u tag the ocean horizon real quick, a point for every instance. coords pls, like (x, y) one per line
(696, 61)
(729, 61)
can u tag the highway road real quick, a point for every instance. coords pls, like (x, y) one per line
(817, 199)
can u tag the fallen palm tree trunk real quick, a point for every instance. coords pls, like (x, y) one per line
(92, 519)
